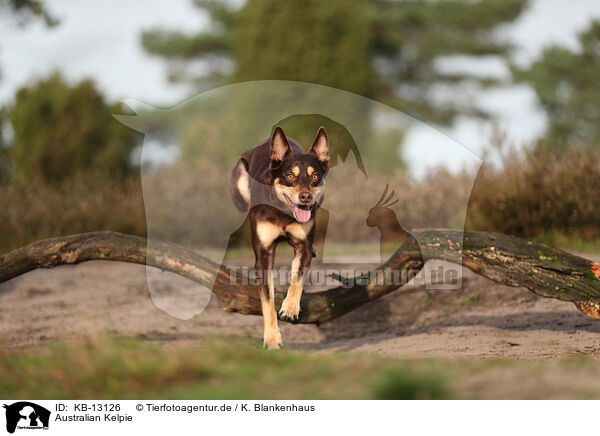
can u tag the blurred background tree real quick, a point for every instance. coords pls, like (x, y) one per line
(566, 83)
(65, 162)
(59, 130)
(384, 50)
(23, 12)
(26, 10)
(66, 168)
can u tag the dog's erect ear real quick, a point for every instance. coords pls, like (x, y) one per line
(320, 148)
(279, 145)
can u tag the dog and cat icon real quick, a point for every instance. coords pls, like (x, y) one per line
(26, 415)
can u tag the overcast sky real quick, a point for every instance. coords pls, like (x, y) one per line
(100, 39)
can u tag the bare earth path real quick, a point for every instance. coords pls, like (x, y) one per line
(481, 320)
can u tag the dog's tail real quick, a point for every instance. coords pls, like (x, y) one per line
(239, 185)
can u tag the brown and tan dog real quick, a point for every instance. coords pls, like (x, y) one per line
(281, 188)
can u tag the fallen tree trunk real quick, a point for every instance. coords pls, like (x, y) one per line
(508, 260)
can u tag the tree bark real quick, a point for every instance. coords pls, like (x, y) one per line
(508, 260)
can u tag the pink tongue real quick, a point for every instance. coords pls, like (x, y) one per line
(302, 215)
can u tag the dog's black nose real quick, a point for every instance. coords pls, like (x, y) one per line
(305, 197)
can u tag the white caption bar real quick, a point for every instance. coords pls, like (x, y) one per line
(159, 417)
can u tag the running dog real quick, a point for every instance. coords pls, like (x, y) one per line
(281, 188)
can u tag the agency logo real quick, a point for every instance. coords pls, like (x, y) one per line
(26, 415)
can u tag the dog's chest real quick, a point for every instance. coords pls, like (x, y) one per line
(299, 230)
(268, 232)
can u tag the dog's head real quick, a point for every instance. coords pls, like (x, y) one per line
(298, 179)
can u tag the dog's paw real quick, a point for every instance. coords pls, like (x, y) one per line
(289, 309)
(272, 339)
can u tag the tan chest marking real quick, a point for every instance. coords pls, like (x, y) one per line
(267, 232)
(243, 184)
(299, 230)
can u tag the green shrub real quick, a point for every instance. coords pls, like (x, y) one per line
(61, 129)
(539, 192)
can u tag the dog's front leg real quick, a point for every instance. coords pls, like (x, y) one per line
(264, 267)
(290, 308)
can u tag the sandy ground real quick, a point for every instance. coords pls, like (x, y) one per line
(480, 320)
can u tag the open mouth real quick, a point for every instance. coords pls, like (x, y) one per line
(302, 212)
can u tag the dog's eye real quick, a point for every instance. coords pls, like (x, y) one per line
(315, 177)
(290, 176)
